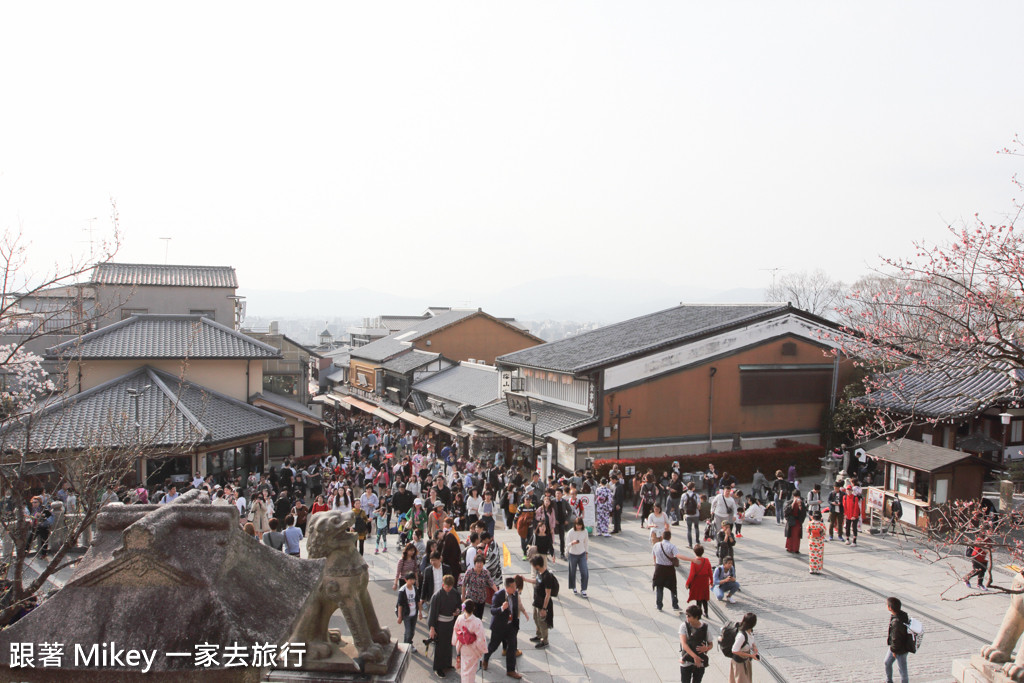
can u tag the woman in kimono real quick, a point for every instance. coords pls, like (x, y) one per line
(796, 513)
(603, 504)
(816, 538)
(470, 642)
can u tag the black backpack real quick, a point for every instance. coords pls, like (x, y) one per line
(552, 583)
(728, 638)
(690, 504)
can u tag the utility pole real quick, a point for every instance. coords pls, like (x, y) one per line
(619, 417)
(533, 437)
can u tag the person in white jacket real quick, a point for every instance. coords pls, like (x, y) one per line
(723, 508)
(754, 513)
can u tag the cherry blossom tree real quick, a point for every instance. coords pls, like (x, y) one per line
(941, 335)
(943, 329)
(39, 308)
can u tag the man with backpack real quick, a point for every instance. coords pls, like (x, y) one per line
(648, 495)
(545, 589)
(690, 507)
(897, 640)
(896, 513)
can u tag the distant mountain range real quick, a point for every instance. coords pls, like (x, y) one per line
(579, 298)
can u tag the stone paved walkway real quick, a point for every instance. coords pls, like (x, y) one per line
(810, 628)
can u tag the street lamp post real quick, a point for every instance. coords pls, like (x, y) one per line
(619, 417)
(1005, 418)
(532, 419)
(135, 394)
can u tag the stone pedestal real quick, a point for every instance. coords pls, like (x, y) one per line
(1005, 496)
(829, 467)
(392, 672)
(977, 669)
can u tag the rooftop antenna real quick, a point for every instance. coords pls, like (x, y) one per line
(167, 245)
(774, 273)
(91, 229)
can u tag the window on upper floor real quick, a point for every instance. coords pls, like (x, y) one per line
(782, 385)
(284, 385)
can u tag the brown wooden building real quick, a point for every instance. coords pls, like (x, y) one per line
(382, 372)
(924, 477)
(688, 380)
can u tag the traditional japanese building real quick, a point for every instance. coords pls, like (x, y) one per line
(181, 384)
(687, 380)
(382, 373)
(974, 410)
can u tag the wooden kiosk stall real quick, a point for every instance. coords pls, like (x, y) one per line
(925, 477)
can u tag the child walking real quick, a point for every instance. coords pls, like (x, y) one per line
(381, 522)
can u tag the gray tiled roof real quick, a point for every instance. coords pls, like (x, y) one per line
(550, 418)
(171, 414)
(400, 322)
(465, 383)
(286, 403)
(916, 391)
(145, 274)
(408, 362)
(918, 455)
(394, 344)
(638, 336)
(425, 408)
(164, 336)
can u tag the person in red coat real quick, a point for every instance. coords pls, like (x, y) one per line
(852, 512)
(698, 581)
(318, 506)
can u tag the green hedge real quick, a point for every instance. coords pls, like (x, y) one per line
(740, 464)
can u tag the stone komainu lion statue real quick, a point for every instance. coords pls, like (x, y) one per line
(343, 585)
(1001, 649)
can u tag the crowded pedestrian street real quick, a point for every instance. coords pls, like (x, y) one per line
(810, 629)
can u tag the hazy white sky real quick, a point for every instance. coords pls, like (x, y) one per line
(465, 145)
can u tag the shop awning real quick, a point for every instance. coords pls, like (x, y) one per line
(441, 428)
(37, 468)
(508, 433)
(361, 405)
(390, 418)
(333, 400)
(414, 418)
(564, 438)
